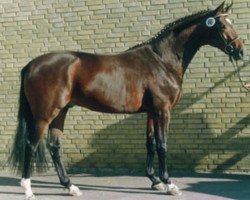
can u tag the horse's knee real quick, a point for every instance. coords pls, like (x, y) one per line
(161, 149)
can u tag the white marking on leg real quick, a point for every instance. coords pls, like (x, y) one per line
(172, 189)
(26, 184)
(159, 187)
(74, 191)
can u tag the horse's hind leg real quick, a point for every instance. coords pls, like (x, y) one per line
(54, 145)
(32, 144)
(25, 181)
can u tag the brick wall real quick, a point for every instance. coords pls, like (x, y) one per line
(209, 128)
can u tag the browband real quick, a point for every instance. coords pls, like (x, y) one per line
(221, 15)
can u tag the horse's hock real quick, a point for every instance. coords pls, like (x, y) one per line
(209, 127)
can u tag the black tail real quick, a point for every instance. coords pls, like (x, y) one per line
(25, 135)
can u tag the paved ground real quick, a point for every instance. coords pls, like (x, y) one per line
(130, 187)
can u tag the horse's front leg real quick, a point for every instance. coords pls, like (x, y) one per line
(161, 125)
(151, 149)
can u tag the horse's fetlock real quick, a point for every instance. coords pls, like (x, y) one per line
(65, 182)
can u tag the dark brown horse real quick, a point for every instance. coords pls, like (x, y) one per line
(146, 78)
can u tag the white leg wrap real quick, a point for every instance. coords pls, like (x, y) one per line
(74, 191)
(26, 184)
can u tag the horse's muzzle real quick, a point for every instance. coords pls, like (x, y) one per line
(235, 53)
(238, 54)
(235, 48)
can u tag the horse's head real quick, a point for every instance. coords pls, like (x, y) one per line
(222, 34)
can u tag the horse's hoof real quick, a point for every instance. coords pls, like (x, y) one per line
(32, 197)
(172, 189)
(75, 191)
(159, 187)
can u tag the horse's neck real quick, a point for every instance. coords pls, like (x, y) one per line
(178, 50)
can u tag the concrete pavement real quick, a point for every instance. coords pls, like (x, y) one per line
(194, 186)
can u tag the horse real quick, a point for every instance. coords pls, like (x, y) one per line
(146, 78)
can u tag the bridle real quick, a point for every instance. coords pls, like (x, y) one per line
(229, 48)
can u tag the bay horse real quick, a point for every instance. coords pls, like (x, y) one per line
(146, 78)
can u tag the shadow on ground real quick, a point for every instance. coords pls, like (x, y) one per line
(229, 186)
(192, 184)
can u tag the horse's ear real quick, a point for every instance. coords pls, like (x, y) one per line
(227, 8)
(220, 8)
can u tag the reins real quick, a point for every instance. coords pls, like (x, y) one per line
(237, 69)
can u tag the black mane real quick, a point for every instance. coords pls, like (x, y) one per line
(182, 22)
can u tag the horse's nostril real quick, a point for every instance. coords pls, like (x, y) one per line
(237, 53)
(241, 52)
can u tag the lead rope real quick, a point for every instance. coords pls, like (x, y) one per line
(237, 69)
